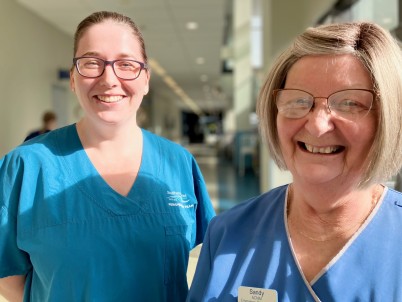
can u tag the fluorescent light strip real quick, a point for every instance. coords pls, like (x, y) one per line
(174, 86)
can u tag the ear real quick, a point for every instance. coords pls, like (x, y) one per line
(146, 84)
(72, 83)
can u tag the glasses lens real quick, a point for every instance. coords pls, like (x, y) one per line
(127, 69)
(352, 104)
(293, 103)
(94, 67)
(90, 67)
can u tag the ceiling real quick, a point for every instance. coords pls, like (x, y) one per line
(171, 47)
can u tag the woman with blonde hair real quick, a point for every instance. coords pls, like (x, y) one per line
(330, 111)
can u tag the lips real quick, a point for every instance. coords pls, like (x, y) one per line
(109, 98)
(321, 150)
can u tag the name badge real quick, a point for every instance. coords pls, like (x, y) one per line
(254, 294)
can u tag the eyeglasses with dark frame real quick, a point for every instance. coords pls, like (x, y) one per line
(350, 104)
(92, 67)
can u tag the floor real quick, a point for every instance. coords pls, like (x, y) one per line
(225, 186)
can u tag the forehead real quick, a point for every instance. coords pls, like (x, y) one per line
(328, 73)
(108, 37)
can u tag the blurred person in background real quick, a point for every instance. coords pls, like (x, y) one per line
(331, 113)
(101, 210)
(49, 123)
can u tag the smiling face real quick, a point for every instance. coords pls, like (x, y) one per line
(320, 147)
(108, 99)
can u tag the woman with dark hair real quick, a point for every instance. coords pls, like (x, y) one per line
(101, 210)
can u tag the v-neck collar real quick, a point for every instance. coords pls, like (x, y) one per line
(344, 249)
(93, 185)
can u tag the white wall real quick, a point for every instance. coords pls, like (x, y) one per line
(278, 32)
(166, 116)
(31, 52)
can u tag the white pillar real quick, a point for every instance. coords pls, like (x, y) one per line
(243, 104)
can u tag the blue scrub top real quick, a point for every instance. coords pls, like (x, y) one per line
(249, 245)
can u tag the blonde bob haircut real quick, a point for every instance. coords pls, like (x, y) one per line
(379, 52)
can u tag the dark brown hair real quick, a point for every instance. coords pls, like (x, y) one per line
(99, 17)
(48, 116)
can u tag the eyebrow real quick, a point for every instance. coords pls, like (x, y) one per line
(97, 54)
(90, 54)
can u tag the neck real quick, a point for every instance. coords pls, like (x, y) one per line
(93, 132)
(321, 221)
(107, 139)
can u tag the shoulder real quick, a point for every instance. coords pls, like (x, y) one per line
(48, 136)
(392, 202)
(32, 135)
(41, 147)
(254, 209)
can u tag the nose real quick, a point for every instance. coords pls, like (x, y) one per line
(319, 119)
(109, 78)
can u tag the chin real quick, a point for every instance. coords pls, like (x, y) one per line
(317, 174)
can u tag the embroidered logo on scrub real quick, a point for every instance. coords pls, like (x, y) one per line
(178, 199)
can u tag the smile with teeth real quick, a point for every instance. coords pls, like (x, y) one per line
(110, 98)
(321, 150)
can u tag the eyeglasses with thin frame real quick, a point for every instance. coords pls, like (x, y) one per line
(350, 104)
(92, 67)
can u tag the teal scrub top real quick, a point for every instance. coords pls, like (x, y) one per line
(76, 239)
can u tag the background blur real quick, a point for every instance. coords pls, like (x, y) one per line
(208, 59)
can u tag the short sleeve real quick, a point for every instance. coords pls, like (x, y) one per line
(13, 261)
(205, 211)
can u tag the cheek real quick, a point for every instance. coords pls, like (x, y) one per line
(286, 142)
(141, 85)
(82, 86)
(286, 131)
(76, 83)
(363, 134)
(366, 137)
